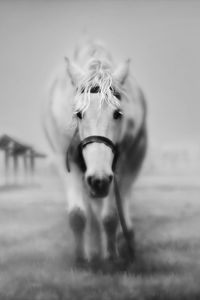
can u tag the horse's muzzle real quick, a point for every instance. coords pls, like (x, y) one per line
(99, 187)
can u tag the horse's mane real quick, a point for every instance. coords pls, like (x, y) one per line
(98, 75)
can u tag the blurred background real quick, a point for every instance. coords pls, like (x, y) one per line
(162, 38)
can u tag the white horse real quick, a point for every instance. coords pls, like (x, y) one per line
(95, 121)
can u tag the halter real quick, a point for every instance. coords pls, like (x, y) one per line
(89, 140)
(98, 139)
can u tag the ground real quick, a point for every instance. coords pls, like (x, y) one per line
(36, 253)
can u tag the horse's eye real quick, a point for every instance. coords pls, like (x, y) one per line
(95, 90)
(82, 90)
(117, 114)
(117, 95)
(79, 115)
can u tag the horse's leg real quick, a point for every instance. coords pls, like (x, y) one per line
(110, 224)
(77, 221)
(75, 206)
(77, 213)
(95, 237)
(123, 248)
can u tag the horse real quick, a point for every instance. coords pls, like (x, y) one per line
(95, 122)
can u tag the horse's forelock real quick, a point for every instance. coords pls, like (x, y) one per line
(98, 75)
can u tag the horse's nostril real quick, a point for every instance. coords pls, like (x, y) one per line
(99, 184)
(110, 178)
(89, 180)
(94, 182)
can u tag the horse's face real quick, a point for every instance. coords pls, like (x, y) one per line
(101, 117)
(107, 122)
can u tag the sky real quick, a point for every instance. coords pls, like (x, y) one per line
(162, 38)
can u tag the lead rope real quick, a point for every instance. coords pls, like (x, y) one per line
(122, 220)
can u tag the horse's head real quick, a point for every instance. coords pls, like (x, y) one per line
(98, 110)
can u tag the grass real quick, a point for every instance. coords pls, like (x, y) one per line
(36, 253)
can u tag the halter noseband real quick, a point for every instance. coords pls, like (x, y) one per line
(99, 139)
(89, 140)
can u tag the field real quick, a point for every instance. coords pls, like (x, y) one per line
(36, 251)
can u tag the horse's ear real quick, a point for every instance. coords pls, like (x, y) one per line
(122, 71)
(74, 72)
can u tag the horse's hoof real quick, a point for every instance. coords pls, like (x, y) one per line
(81, 263)
(110, 265)
(95, 263)
(125, 250)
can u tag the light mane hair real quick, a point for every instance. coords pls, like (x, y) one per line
(98, 75)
